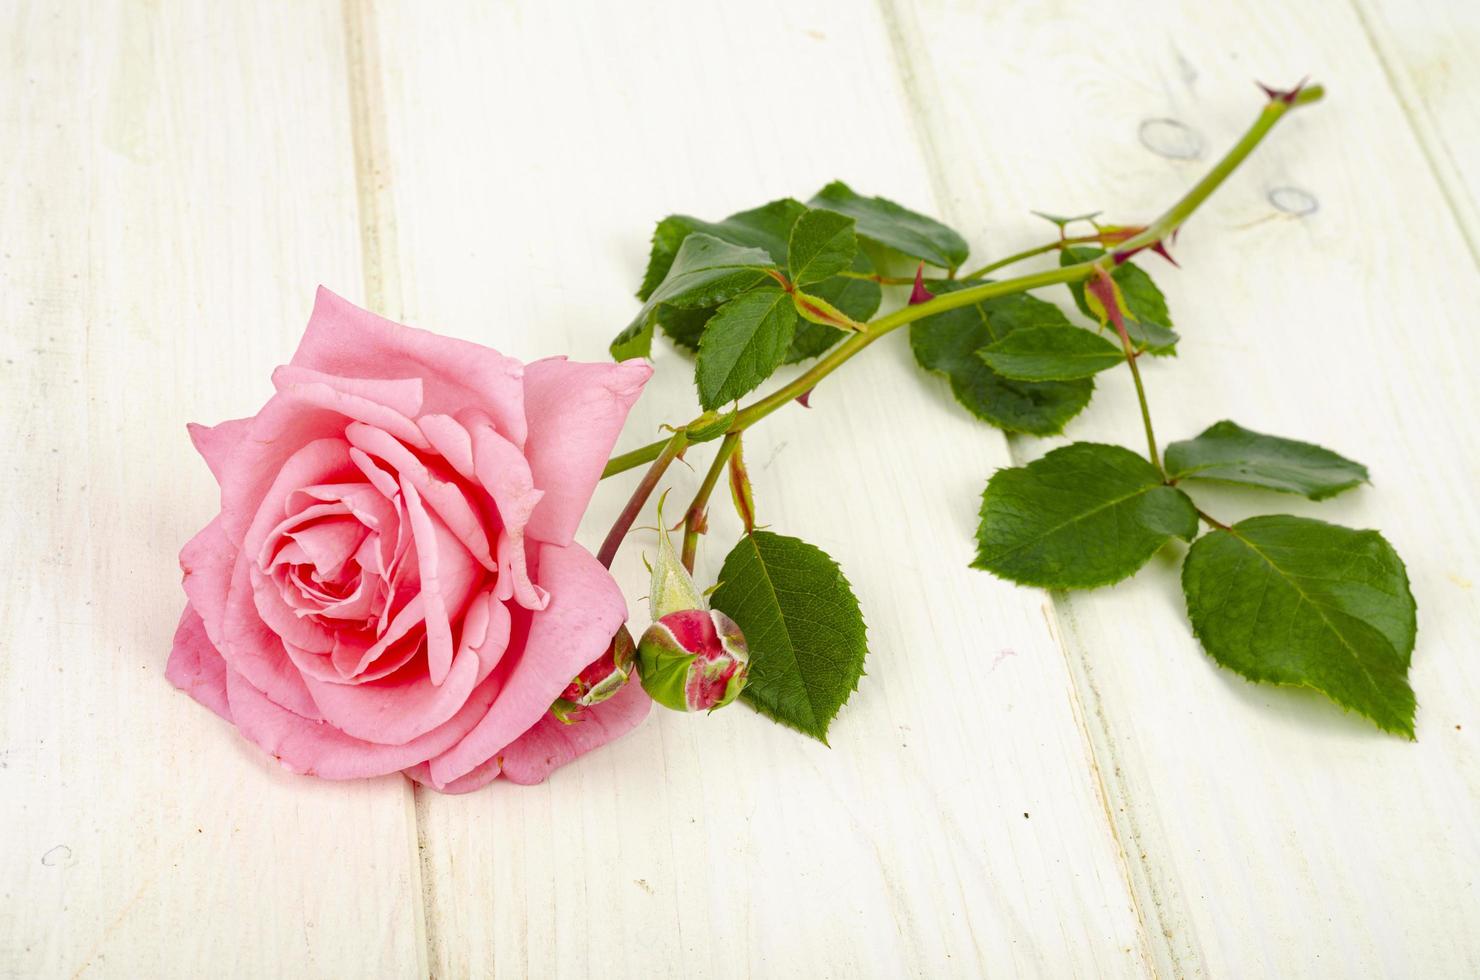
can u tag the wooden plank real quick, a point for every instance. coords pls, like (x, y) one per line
(175, 180)
(1428, 50)
(955, 826)
(1325, 296)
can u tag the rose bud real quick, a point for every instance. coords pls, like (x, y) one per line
(600, 680)
(692, 658)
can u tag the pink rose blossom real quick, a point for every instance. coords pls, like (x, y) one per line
(392, 583)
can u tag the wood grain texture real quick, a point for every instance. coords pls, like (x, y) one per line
(1272, 834)
(941, 833)
(173, 185)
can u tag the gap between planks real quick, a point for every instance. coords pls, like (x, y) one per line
(1158, 940)
(380, 271)
(1430, 142)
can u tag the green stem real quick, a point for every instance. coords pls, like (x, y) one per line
(1130, 360)
(669, 450)
(694, 519)
(1168, 222)
(1029, 253)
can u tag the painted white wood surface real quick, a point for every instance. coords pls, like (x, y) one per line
(169, 181)
(173, 186)
(1270, 833)
(1428, 48)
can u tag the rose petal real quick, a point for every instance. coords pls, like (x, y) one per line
(344, 340)
(207, 561)
(586, 607)
(195, 667)
(477, 779)
(318, 749)
(448, 578)
(284, 429)
(400, 395)
(444, 497)
(256, 652)
(216, 442)
(335, 395)
(575, 412)
(504, 473)
(451, 440)
(551, 743)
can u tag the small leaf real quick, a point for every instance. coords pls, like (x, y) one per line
(803, 626)
(767, 227)
(859, 299)
(818, 310)
(1229, 453)
(1082, 516)
(744, 343)
(1148, 324)
(822, 245)
(705, 272)
(895, 227)
(1051, 354)
(1290, 600)
(948, 343)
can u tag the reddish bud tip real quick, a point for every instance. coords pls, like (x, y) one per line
(920, 294)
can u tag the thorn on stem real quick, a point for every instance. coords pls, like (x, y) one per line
(920, 294)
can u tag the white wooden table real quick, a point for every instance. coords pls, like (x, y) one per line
(1025, 784)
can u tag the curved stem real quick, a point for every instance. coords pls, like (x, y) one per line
(694, 520)
(1029, 253)
(662, 452)
(668, 451)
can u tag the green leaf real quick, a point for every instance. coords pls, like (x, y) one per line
(1229, 453)
(683, 327)
(705, 272)
(895, 227)
(1149, 324)
(822, 245)
(1290, 600)
(858, 298)
(1082, 516)
(1051, 354)
(767, 227)
(948, 343)
(744, 343)
(803, 626)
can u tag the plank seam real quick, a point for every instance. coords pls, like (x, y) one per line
(379, 266)
(1430, 142)
(917, 106)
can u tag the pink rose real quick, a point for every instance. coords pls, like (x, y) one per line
(391, 583)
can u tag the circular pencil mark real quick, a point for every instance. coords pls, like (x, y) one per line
(1293, 200)
(1171, 139)
(57, 855)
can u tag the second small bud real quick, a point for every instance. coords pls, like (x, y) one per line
(692, 658)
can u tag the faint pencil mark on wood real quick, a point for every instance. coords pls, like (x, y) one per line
(1293, 200)
(1171, 139)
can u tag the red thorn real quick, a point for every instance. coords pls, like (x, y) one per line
(919, 294)
(804, 398)
(1161, 249)
(1287, 96)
